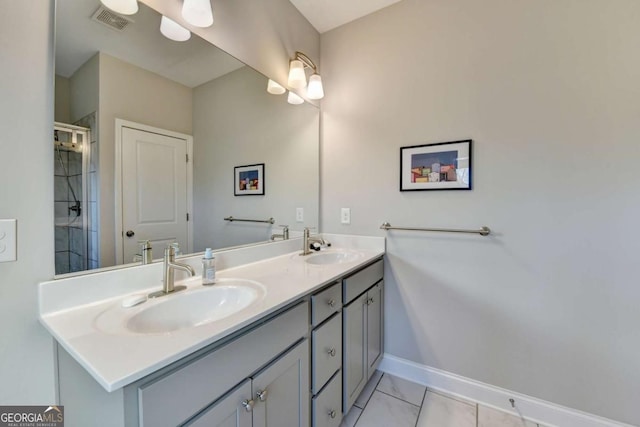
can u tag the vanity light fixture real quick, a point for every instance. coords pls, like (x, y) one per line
(294, 98)
(274, 88)
(174, 31)
(298, 78)
(123, 7)
(198, 13)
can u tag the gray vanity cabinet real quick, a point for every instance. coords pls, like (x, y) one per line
(276, 396)
(363, 338)
(229, 411)
(281, 391)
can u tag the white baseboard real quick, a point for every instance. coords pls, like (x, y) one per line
(537, 410)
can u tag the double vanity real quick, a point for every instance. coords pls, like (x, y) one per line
(280, 340)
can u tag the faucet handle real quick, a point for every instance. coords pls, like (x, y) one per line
(283, 226)
(144, 244)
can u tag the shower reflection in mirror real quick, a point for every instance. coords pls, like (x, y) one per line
(75, 195)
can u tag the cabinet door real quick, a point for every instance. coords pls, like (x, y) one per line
(354, 347)
(232, 410)
(375, 327)
(281, 391)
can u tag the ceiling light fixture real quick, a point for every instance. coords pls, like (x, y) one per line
(174, 31)
(294, 98)
(198, 13)
(123, 7)
(274, 88)
(298, 78)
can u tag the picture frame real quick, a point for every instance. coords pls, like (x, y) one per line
(248, 180)
(439, 166)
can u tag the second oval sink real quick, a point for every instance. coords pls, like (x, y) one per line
(337, 257)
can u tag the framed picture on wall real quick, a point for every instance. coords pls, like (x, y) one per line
(441, 166)
(248, 180)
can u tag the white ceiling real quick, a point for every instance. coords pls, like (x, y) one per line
(326, 15)
(78, 38)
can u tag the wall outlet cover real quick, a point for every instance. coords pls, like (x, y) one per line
(345, 215)
(8, 240)
(299, 214)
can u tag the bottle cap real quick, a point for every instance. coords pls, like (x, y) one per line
(208, 254)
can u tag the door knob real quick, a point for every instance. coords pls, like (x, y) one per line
(130, 233)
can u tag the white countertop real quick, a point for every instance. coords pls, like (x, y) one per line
(118, 359)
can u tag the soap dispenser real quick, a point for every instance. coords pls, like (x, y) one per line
(208, 268)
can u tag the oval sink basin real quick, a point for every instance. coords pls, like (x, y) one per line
(337, 257)
(186, 309)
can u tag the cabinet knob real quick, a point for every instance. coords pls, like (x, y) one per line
(248, 405)
(332, 303)
(370, 301)
(332, 352)
(332, 413)
(262, 395)
(130, 233)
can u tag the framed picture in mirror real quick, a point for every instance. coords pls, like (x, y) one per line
(248, 180)
(441, 166)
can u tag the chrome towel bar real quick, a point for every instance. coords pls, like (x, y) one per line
(484, 231)
(268, 221)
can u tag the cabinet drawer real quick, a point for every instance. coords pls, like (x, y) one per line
(325, 303)
(356, 284)
(327, 352)
(174, 398)
(327, 410)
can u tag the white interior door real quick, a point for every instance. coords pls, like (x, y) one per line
(154, 193)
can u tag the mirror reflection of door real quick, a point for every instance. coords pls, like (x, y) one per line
(155, 191)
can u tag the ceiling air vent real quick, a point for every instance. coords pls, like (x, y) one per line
(111, 19)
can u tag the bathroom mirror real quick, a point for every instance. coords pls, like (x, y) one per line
(121, 71)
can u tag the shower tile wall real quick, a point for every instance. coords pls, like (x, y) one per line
(93, 254)
(69, 232)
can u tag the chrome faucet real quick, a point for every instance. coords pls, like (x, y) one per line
(146, 255)
(170, 265)
(307, 240)
(284, 235)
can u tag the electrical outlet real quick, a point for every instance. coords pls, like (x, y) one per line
(299, 214)
(8, 240)
(345, 215)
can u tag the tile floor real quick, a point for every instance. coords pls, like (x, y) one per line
(391, 401)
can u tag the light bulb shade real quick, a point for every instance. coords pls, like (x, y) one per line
(123, 7)
(297, 78)
(198, 13)
(294, 99)
(274, 88)
(315, 90)
(174, 31)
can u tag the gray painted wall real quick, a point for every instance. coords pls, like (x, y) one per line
(548, 90)
(26, 193)
(235, 123)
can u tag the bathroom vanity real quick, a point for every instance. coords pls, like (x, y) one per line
(298, 355)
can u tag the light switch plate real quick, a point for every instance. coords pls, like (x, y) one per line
(299, 214)
(345, 215)
(8, 240)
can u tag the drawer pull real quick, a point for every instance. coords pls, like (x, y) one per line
(248, 405)
(332, 352)
(332, 413)
(332, 303)
(262, 395)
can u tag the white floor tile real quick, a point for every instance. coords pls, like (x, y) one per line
(385, 411)
(489, 417)
(441, 411)
(402, 389)
(368, 390)
(352, 416)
